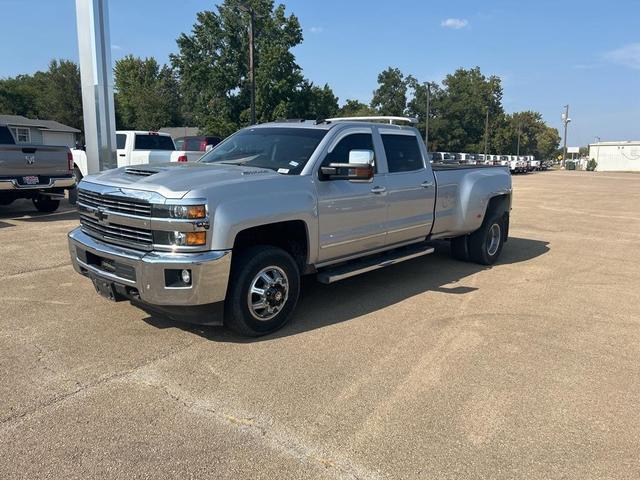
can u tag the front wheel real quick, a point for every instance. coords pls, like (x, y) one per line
(263, 291)
(46, 204)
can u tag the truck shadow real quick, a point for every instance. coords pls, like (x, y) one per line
(24, 211)
(323, 305)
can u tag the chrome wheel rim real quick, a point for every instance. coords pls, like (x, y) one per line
(494, 239)
(268, 293)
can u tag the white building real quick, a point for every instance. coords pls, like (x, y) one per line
(616, 156)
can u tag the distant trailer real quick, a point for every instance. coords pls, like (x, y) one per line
(616, 156)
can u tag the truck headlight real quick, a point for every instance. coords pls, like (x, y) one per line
(186, 212)
(180, 239)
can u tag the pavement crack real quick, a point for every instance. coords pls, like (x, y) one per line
(35, 270)
(10, 420)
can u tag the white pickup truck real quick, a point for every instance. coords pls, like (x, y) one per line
(139, 148)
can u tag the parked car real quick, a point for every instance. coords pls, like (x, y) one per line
(535, 164)
(443, 157)
(514, 164)
(502, 160)
(228, 238)
(200, 143)
(139, 148)
(37, 172)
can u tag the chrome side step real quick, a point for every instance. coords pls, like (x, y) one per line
(369, 264)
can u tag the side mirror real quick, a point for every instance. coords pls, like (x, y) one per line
(208, 147)
(359, 169)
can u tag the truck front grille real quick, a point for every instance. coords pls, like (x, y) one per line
(114, 204)
(124, 235)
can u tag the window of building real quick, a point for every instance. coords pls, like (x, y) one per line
(23, 135)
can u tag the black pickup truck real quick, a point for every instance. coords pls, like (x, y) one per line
(39, 172)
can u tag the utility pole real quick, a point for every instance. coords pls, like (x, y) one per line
(486, 134)
(518, 149)
(252, 70)
(565, 121)
(598, 149)
(426, 126)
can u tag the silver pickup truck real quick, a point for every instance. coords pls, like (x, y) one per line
(38, 172)
(227, 239)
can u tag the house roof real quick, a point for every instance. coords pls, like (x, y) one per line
(20, 121)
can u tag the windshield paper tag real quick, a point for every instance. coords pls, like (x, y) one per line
(293, 164)
(283, 170)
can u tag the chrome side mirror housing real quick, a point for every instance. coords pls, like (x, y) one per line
(360, 168)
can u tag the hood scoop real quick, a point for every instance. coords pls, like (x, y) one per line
(140, 172)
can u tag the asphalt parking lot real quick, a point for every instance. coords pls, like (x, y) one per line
(429, 369)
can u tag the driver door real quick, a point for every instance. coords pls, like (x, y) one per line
(352, 214)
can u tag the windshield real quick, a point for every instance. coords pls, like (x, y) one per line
(285, 150)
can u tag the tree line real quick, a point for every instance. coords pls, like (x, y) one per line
(207, 84)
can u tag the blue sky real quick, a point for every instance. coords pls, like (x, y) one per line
(548, 53)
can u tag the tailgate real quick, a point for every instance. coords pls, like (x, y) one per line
(42, 160)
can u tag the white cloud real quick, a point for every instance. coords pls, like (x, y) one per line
(454, 23)
(627, 56)
(316, 29)
(116, 47)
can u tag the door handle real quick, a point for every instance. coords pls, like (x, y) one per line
(378, 189)
(426, 184)
(121, 155)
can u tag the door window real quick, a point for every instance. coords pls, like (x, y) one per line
(355, 141)
(121, 139)
(403, 153)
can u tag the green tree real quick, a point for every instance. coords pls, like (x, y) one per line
(548, 142)
(536, 138)
(390, 98)
(460, 109)
(417, 108)
(61, 94)
(54, 94)
(355, 108)
(212, 64)
(147, 95)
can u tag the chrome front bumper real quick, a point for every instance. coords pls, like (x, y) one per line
(146, 271)
(53, 183)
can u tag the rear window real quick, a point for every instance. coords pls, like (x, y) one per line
(194, 144)
(121, 139)
(5, 136)
(154, 142)
(403, 153)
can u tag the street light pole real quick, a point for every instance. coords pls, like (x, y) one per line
(598, 149)
(565, 120)
(486, 134)
(252, 67)
(426, 126)
(252, 70)
(518, 149)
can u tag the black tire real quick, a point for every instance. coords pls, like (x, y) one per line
(481, 243)
(459, 248)
(46, 204)
(247, 265)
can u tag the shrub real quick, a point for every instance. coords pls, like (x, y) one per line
(591, 165)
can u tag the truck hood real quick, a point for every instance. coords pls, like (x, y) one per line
(175, 180)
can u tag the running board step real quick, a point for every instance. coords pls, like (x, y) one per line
(369, 264)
